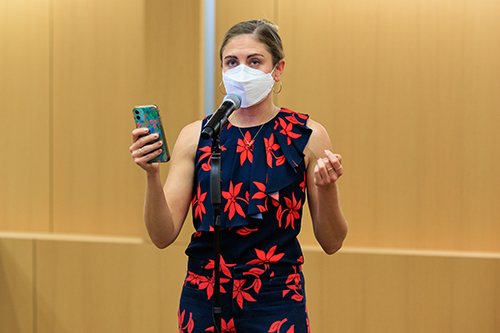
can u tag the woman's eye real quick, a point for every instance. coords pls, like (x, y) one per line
(255, 62)
(231, 63)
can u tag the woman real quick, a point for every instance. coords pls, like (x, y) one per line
(270, 158)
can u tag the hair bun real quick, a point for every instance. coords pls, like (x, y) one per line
(271, 24)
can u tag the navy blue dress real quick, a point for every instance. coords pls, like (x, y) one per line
(263, 192)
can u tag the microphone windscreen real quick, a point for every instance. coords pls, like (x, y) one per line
(233, 98)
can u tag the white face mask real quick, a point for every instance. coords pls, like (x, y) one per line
(251, 84)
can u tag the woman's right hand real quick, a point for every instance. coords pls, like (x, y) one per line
(142, 152)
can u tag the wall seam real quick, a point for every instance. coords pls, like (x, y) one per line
(51, 116)
(34, 267)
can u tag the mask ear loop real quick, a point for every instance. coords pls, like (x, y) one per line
(281, 88)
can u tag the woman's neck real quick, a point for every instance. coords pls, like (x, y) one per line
(255, 115)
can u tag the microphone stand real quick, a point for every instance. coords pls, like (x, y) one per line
(216, 197)
(212, 130)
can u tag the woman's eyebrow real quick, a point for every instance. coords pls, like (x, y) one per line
(255, 54)
(248, 56)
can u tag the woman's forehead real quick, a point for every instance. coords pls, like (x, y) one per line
(244, 44)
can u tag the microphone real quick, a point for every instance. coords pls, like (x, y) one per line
(230, 103)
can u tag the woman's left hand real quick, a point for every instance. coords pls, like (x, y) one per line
(328, 169)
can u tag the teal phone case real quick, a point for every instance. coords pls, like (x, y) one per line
(149, 116)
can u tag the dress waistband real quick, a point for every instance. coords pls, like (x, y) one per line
(238, 271)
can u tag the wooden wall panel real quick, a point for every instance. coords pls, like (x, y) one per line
(25, 115)
(173, 71)
(16, 286)
(368, 291)
(102, 287)
(115, 285)
(108, 58)
(98, 76)
(409, 94)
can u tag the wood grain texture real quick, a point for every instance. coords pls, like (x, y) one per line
(25, 115)
(99, 287)
(107, 59)
(17, 276)
(118, 285)
(366, 291)
(409, 94)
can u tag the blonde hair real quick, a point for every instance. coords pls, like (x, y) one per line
(263, 30)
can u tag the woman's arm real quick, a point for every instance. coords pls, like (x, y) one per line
(323, 170)
(166, 207)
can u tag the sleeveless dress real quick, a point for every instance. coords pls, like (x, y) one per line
(263, 192)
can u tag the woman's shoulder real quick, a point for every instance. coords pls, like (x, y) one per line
(187, 141)
(319, 140)
(316, 127)
(191, 131)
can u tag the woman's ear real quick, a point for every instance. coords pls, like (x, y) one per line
(278, 71)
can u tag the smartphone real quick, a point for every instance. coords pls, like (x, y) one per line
(149, 116)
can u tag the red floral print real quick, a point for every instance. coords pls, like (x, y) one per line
(226, 328)
(223, 266)
(198, 233)
(276, 326)
(293, 212)
(239, 292)
(280, 160)
(267, 188)
(245, 149)
(245, 231)
(270, 148)
(266, 258)
(295, 278)
(257, 283)
(304, 183)
(231, 196)
(199, 208)
(303, 117)
(190, 324)
(260, 195)
(207, 152)
(204, 282)
(193, 278)
(293, 120)
(287, 130)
